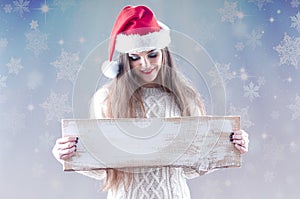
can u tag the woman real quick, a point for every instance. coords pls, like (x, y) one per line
(145, 84)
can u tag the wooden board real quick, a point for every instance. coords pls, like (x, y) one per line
(200, 143)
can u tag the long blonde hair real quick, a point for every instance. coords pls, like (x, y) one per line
(125, 100)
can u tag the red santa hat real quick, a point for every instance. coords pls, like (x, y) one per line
(136, 29)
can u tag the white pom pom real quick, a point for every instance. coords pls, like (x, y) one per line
(110, 69)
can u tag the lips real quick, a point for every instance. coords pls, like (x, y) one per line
(147, 72)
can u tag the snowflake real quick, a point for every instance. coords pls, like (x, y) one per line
(14, 66)
(296, 22)
(33, 24)
(269, 176)
(251, 91)
(295, 3)
(223, 71)
(2, 81)
(3, 42)
(64, 4)
(273, 151)
(295, 108)
(229, 12)
(239, 46)
(260, 3)
(56, 106)
(254, 39)
(67, 66)
(7, 8)
(36, 41)
(21, 6)
(289, 50)
(34, 80)
(243, 112)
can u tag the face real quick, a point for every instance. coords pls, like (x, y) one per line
(146, 64)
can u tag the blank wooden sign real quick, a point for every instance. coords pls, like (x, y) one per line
(200, 143)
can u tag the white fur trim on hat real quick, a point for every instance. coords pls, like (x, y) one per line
(110, 69)
(136, 42)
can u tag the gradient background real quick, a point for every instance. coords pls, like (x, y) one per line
(254, 43)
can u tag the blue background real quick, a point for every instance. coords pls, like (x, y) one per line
(254, 43)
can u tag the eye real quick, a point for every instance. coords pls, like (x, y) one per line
(133, 57)
(152, 54)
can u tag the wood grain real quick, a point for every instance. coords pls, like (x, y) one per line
(200, 143)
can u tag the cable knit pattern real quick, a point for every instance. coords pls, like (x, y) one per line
(152, 183)
(157, 183)
(159, 104)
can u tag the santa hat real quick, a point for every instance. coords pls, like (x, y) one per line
(136, 29)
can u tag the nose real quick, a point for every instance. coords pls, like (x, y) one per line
(145, 63)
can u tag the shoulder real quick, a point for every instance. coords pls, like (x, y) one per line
(99, 103)
(101, 94)
(196, 108)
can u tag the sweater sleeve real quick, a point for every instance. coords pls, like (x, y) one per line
(98, 107)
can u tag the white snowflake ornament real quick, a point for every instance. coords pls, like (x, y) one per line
(14, 66)
(56, 106)
(67, 66)
(36, 41)
(289, 50)
(295, 108)
(296, 22)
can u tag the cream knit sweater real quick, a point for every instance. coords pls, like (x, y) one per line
(154, 183)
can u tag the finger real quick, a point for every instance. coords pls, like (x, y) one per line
(66, 145)
(66, 139)
(239, 142)
(240, 137)
(242, 142)
(237, 136)
(66, 152)
(65, 157)
(241, 132)
(242, 149)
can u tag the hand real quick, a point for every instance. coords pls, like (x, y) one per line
(64, 148)
(240, 140)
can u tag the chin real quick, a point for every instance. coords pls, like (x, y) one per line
(149, 79)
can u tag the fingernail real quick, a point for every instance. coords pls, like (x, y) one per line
(76, 140)
(231, 136)
(75, 148)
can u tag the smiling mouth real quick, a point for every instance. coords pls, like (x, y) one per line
(147, 72)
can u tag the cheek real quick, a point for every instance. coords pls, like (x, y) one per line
(133, 65)
(157, 61)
